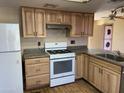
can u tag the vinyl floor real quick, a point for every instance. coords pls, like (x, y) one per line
(79, 86)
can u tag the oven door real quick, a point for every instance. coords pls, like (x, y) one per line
(62, 67)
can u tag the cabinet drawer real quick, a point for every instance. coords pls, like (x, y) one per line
(37, 69)
(37, 81)
(36, 61)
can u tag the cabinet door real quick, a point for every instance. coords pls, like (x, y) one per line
(54, 17)
(28, 22)
(95, 76)
(40, 24)
(78, 66)
(76, 25)
(110, 81)
(85, 66)
(88, 24)
(67, 18)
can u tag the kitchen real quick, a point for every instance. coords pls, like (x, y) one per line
(62, 49)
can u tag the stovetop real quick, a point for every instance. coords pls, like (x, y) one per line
(59, 51)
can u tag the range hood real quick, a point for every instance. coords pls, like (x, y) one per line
(58, 26)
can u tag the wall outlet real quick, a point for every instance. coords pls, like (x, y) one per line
(72, 42)
(39, 43)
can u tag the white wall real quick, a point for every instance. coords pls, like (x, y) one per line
(8, 15)
(96, 41)
(118, 35)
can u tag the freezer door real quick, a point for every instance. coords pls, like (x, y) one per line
(9, 37)
(11, 73)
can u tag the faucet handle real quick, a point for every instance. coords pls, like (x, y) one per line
(118, 52)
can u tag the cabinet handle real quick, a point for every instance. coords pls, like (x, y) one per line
(37, 60)
(99, 70)
(37, 82)
(37, 70)
(36, 34)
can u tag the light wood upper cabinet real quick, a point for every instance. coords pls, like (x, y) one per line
(67, 18)
(54, 17)
(88, 24)
(78, 66)
(58, 17)
(28, 22)
(33, 22)
(40, 25)
(77, 25)
(82, 25)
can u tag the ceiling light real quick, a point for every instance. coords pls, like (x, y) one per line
(80, 1)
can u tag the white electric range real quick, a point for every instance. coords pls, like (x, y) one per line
(62, 63)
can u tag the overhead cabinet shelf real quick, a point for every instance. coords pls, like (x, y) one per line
(34, 22)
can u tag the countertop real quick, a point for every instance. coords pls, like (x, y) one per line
(38, 53)
(34, 53)
(93, 52)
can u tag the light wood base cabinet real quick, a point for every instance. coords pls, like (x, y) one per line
(85, 66)
(103, 78)
(78, 66)
(95, 75)
(36, 73)
(37, 81)
(82, 66)
(110, 81)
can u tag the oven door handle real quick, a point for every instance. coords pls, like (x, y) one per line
(65, 58)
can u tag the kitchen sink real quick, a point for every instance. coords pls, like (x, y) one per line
(112, 57)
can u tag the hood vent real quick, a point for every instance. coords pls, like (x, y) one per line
(58, 27)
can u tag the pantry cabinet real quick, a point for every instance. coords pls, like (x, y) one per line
(36, 73)
(104, 76)
(33, 22)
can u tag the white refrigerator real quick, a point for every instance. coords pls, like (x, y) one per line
(11, 80)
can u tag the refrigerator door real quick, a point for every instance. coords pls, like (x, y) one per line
(9, 37)
(11, 73)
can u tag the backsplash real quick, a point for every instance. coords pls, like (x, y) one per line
(53, 36)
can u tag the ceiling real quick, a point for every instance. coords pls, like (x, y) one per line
(92, 6)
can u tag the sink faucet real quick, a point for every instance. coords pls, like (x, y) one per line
(117, 52)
